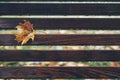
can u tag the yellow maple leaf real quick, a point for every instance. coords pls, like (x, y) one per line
(26, 32)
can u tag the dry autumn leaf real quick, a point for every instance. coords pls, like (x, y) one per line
(26, 32)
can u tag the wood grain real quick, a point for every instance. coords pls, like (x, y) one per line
(60, 72)
(66, 55)
(68, 39)
(58, 55)
(59, 9)
(64, 23)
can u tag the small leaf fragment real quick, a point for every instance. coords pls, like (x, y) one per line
(26, 32)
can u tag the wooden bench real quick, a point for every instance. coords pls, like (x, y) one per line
(66, 23)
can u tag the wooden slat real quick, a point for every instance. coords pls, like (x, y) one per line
(64, 23)
(60, 72)
(58, 55)
(98, 39)
(59, 9)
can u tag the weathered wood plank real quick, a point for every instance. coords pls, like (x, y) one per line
(65, 39)
(64, 23)
(60, 72)
(58, 55)
(58, 9)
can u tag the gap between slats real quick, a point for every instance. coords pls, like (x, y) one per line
(60, 72)
(63, 1)
(45, 32)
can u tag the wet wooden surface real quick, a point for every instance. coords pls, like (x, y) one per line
(59, 55)
(64, 39)
(64, 23)
(60, 72)
(58, 9)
